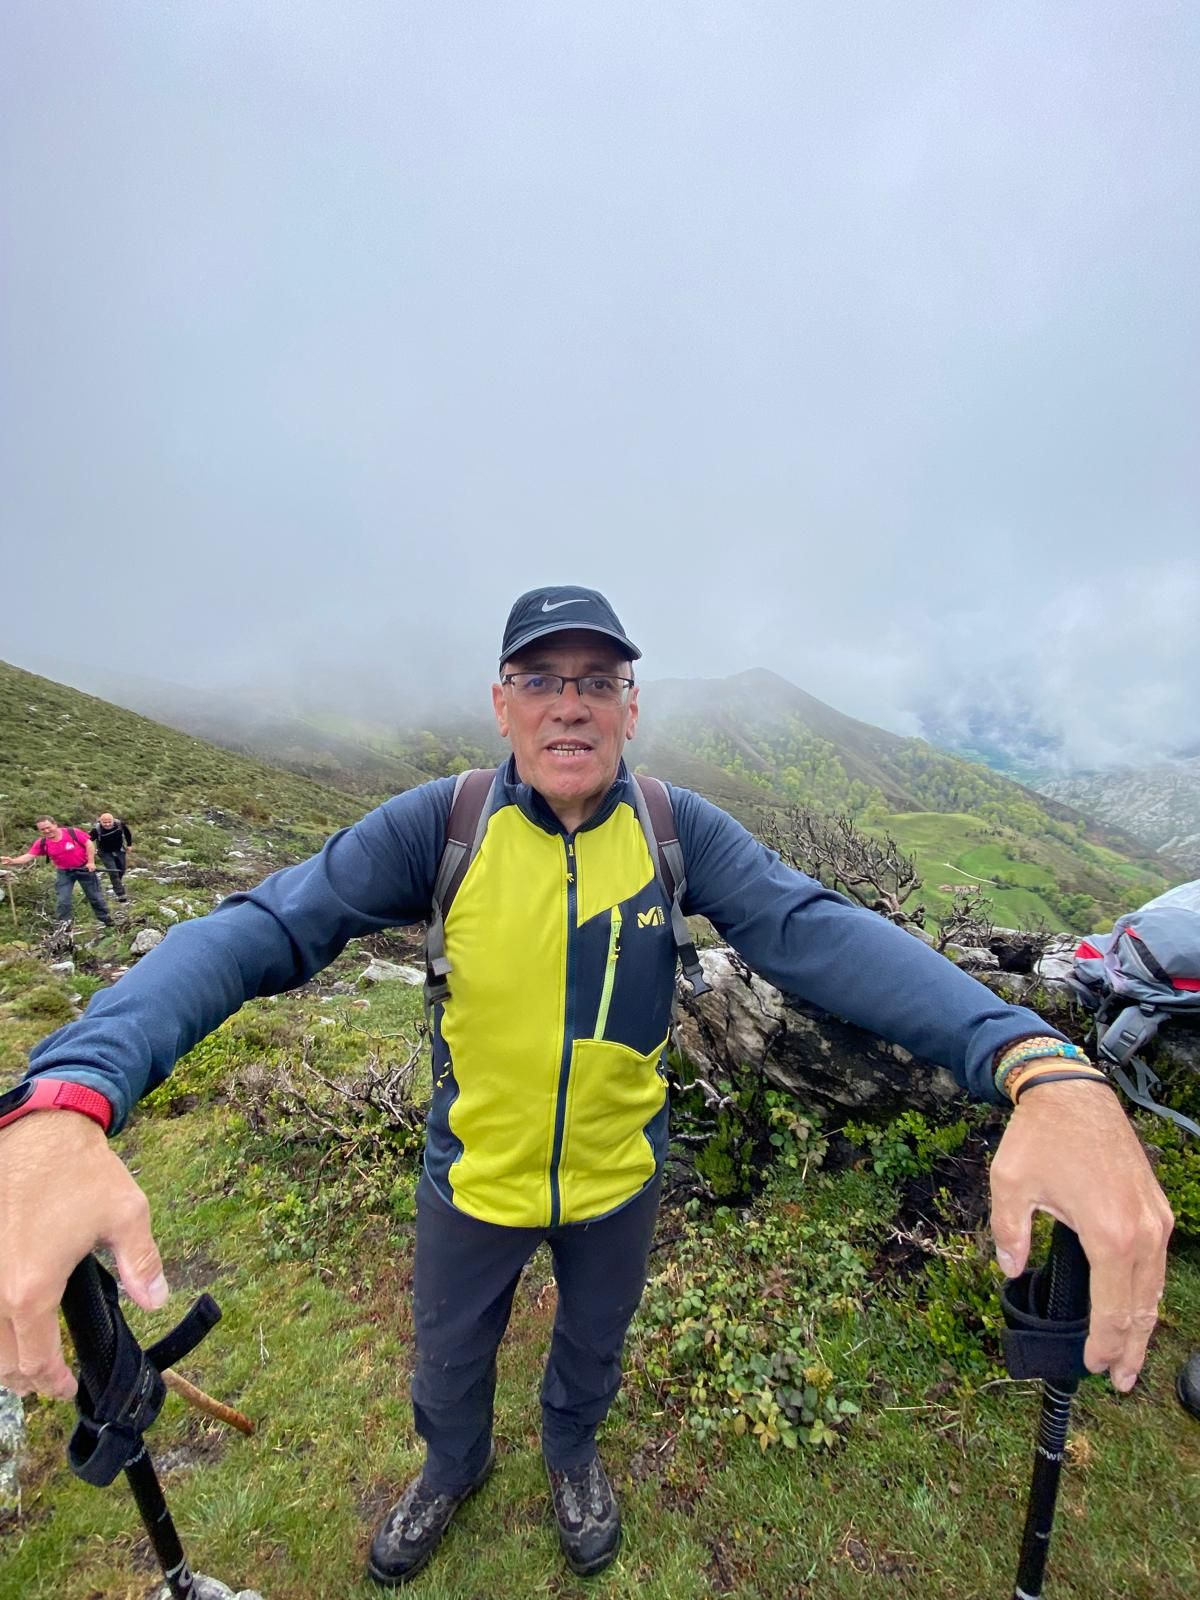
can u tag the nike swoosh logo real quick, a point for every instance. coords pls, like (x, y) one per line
(546, 605)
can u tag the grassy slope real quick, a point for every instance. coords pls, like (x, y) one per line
(952, 848)
(71, 755)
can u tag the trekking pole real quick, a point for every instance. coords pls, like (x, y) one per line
(90, 1321)
(8, 880)
(1045, 1338)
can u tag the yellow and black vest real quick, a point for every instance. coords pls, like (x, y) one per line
(550, 1097)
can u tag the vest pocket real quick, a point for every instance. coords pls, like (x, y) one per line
(608, 1154)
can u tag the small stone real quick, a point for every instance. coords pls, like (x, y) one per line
(391, 972)
(171, 839)
(146, 940)
(62, 966)
(12, 1435)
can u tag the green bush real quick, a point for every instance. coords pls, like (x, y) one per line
(956, 1304)
(760, 1128)
(44, 1003)
(726, 1331)
(908, 1146)
(1177, 1168)
(201, 1073)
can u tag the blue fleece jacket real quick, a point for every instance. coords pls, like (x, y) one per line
(380, 873)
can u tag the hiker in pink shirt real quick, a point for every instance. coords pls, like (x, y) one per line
(73, 855)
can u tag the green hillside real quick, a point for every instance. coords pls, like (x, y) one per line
(195, 810)
(764, 744)
(327, 750)
(69, 754)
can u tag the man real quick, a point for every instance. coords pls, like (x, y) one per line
(548, 1117)
(74, 856)
(111, 835)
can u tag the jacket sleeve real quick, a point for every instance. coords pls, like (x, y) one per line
(851, 962)
(378, 874)
(128, 837)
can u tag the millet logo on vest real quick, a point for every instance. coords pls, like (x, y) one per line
(651, 919)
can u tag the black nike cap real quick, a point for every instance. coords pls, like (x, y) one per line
(542, 612)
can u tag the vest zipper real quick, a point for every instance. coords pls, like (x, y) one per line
(564, 1070)
(610, 971)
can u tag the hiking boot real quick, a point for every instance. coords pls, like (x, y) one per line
(589, 1523)
(1187, 1386)
(411, 1531)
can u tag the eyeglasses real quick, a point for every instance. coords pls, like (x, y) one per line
(600, 689)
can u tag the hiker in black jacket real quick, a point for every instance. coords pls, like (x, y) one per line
(111, 836)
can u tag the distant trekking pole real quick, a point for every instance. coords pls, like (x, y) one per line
(89, 1316)
(1047, 1315)
(8, 879)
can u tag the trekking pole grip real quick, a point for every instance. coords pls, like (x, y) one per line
(90, 1323)
(1067, 1277)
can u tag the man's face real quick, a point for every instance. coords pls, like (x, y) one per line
(48, 828)
(567, 747)
(107, 819)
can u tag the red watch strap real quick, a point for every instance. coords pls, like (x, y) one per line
(57, 1094)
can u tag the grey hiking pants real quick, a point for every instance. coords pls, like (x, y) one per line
(65, 879)
(113, 862)
(464, 1280)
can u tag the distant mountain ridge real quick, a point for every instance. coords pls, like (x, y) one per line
(756, 744)
(1160, 804)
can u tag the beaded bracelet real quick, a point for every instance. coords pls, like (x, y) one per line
(1037, 1049)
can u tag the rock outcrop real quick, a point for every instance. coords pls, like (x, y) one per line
(827, 1063)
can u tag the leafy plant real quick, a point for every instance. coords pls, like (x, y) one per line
(726, 1331)
(907, 1146)
(1177, 1167)
(956, 1303)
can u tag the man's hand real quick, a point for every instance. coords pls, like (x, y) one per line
(1069, 1149)
(63, 1190)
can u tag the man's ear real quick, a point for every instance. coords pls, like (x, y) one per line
(500, 707)
(631, 725)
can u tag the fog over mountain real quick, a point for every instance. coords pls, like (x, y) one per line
(857, 343)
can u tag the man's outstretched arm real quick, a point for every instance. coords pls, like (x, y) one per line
(63, 1190)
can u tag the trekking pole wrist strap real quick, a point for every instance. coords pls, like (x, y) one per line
(1036, 1342)
(108, 1434)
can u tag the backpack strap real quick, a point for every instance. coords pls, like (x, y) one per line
(464, 834)
(657, 817)
(1118, 1044)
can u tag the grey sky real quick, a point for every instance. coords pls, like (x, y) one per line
(859, 341)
